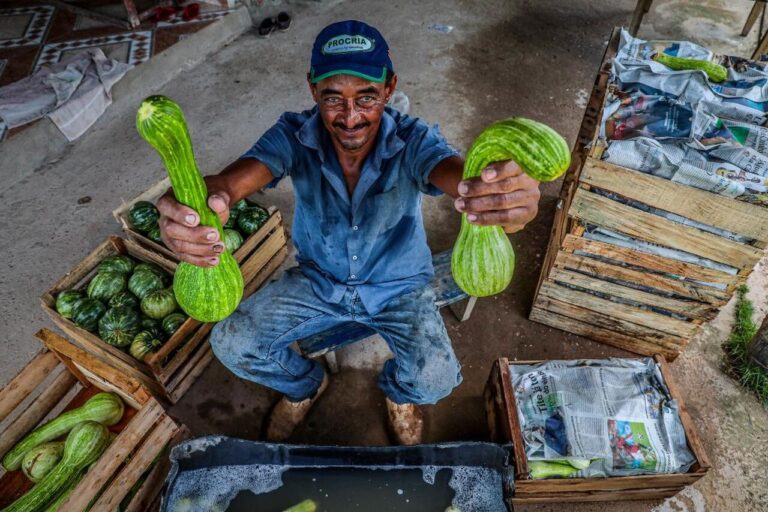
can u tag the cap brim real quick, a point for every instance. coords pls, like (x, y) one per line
(370, 73)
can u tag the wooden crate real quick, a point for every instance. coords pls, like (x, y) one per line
(504, 424)
(157, 190)
(143, 435)
(170, 371)
(640, 302)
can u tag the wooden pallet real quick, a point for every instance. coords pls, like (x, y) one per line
(139, 452)
(504, 424)
(633, 299)
(158, 189)
(170, 371)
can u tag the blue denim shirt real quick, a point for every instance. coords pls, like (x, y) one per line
(373, 241)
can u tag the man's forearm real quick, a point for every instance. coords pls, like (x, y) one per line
(240, 179)
(447, 175)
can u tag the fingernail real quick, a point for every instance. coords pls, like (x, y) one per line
(218, 248)
(190, 219)
(490, 173)
(213, 261)
(471, 217)
(463, 188)
(211, 236)
(459, 204)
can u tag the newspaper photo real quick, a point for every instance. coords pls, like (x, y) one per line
(598, 418)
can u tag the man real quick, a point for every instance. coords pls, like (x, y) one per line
(358, 170)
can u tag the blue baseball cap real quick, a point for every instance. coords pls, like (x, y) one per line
(350, 48)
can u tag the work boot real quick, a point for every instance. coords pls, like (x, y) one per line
(287, 415)
(406, 422)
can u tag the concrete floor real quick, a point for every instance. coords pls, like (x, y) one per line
(530, 58)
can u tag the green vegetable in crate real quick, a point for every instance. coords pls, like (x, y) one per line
(154, 235)
(65, 491)
(304, 506)
(117, 263)
(105, 408)
(208, 294)
(483, 260)
(153, 326)
(231, 220)
(124, 299)
(232, 240)
(251, 219)
(172, 322)
(142, 283)
(104, 285)
(41, 459)
(239, 206)
(714, 71)
(159, 304)
(151, 267)
(119, 325)
(65, 302)
(87, 312)
(143, 216)
(541, 469)
(144, 343)
(84, 445)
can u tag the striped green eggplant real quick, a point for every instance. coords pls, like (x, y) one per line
(483, 260)
(206, 294)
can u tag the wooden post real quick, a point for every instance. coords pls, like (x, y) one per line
(758, 347)
(757, 8)
(642, 7)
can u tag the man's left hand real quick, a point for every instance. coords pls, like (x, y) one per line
(503, 195)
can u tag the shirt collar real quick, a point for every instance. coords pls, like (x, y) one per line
(388, 142)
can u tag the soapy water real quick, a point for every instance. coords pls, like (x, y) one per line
(270, 488)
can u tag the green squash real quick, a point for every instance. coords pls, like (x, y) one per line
(143, 283)
(155, 269)
(144, 343)
(41, 459)
(87, 312)
(240, 206)
(207, 294)
(119, 325)
(483, 260)
(159, 304)
(153, 326)
(117, 263)
(231, 220)
(105, 285)
(715, 72)
(124, 298)
(251, 219)
(172, 322)
(143, 216)
(154, 235)
(232, 240)
(66, 300)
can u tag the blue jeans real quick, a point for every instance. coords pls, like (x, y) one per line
(254, 341)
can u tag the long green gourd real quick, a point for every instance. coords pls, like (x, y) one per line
(714, 71)
(85, 443)
(38, 461)
(207, 294)
(483, 260)
(104, 408)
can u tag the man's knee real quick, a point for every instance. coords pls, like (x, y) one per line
(435, 377)
(233, 341)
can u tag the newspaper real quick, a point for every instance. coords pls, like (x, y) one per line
(615, 414)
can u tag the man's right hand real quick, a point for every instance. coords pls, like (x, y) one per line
(181, 231)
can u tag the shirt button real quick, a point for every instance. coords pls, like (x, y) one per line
(354, 258)
(354, 228)
(353, 276)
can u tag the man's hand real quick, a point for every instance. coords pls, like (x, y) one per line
(503, 195)
(181, 232)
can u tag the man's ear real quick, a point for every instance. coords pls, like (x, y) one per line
(389, 87)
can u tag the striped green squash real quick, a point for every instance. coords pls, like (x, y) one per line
(483, 260)
(206, 294)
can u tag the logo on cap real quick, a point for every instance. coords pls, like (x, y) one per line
(346, 43)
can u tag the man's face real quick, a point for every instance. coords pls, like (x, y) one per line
(351, 108)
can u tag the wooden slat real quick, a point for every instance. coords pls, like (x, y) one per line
(629, 313)
(614, 483)
(37, 410)
(182, 334)
(601, 211)
(26, 381)
(264, 274)
(113, 457)
(197, 364)
(695, 204)
(253, 264)
(697, 311)
(649, 261)
(182, 356)
(139, 463)
(691, 434)
(595, 496)
(677, 286)
(622, 341)
(605, 320)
